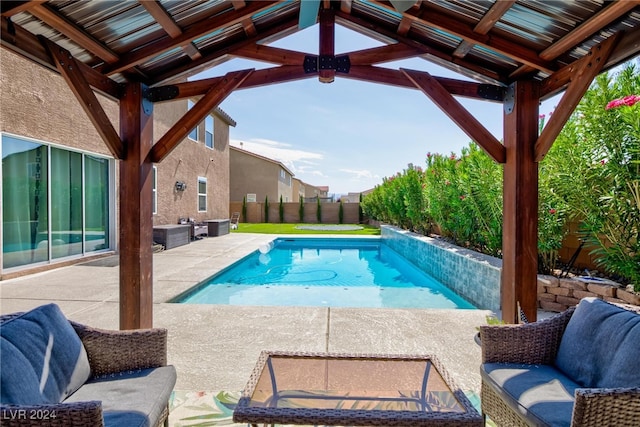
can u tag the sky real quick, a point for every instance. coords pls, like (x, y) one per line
(347, 135)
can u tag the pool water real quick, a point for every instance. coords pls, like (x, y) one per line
(325, 272)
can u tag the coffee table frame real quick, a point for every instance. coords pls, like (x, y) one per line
(353, 417)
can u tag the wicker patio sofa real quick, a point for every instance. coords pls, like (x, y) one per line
(577, 368)
(59, 373)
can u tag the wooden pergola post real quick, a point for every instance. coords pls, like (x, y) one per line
(136, 237)
(520, 203)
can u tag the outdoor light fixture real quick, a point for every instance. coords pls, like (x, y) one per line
(180, 186)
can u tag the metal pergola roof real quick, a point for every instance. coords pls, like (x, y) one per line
(158, 41)
(516, 52)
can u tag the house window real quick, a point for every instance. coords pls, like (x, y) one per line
(194, 132)
(208, 131)
(202, 194)
(154, 207)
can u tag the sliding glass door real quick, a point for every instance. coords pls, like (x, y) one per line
(55, 202)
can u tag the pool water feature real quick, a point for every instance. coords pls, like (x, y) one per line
(344, 272)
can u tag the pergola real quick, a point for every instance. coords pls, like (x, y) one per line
(516, 52)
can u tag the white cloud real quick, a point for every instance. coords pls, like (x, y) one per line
(360, 174)
(277, 151)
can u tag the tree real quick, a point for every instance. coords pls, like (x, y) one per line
(244, 208)
(301, 209)
(319, 211)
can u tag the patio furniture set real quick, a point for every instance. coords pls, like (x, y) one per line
(577, 368)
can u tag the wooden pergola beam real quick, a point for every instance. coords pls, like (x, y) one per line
(21, 41)
(580, 82)
(167, 23)
(601, 19)
(135, 213)
(70, 70)
(486, 23)
(326, 66)
(198, 30)
(465, 67)
(464, 31)
(519, 288)
(86, 41)
(196, 114)
(456, 112)
(274, 55)
(377, 55)
(10, 8)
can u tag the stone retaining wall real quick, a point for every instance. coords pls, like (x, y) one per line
(557, 295)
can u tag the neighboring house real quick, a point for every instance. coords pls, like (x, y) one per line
(354, 197)
(253, 175)
(312, 193)
(59, 180)
(298, 189)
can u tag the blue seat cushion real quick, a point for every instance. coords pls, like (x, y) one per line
(132, 399)
(541, 394)
(601, 346)
(43, 359)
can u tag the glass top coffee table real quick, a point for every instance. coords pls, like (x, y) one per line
(352, 390)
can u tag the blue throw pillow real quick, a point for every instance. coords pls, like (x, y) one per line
(601, 346)
(42, 358)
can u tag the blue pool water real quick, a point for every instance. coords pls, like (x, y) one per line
(325, 272)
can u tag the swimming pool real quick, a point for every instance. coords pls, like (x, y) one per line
(352, 272)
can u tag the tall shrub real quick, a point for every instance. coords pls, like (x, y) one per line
(340, 213)
(244, 208)
(301, 210)
(609, 116)
(411, 184)
(266, 208)
(360, 211)
(464, 198)
(281, 210)
(319, 211)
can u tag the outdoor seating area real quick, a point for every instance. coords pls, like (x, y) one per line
(577, 368)
(56, 372)
(202, 341)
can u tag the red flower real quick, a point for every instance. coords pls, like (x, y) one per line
(453, 156)
(552, 211)
(429, 155)
(603, 161)
(628, 101)
(541, 116)
(462, 197)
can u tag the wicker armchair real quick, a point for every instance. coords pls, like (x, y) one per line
(537, 344)
(111, 354)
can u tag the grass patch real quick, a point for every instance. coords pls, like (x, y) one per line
(263, 228)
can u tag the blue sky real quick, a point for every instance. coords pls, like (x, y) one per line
(348, 134)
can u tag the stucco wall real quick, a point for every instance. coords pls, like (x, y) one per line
(188, 161)
(474, 276)
(37, 103)
(250, 174)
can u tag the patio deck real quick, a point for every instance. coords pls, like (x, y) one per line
(215, 347)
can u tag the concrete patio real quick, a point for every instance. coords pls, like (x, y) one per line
(215, 347)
